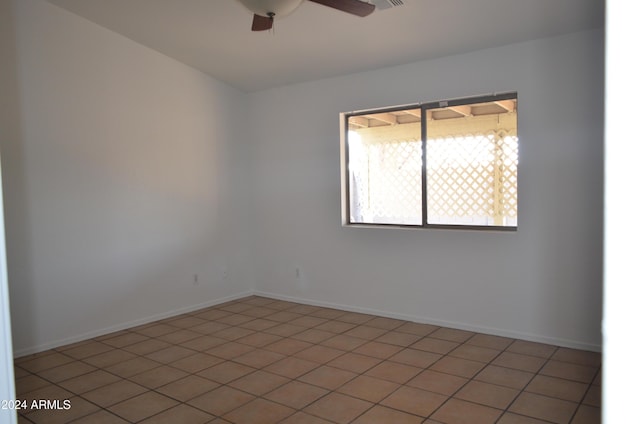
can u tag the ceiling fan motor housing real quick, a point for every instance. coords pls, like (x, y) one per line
(271, 8)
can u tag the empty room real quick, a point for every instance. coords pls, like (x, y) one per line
(235, 211)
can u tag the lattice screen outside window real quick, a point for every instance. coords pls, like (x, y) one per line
(471, 173)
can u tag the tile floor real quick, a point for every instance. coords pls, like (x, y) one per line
(259, 361)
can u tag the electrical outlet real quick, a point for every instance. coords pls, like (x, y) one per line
(298, 273)
(196, 280)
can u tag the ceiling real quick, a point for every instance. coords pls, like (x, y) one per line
(316, 42)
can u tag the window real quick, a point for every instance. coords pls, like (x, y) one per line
(449, 163)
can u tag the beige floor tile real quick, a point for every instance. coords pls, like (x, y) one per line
(398, 338)
(41, 363)
(394, 372)
(368, 388)
(557, 388)
(354, 362)
(196, 363)
(385, 323)
(319, 354)
(302, 418)
(334, 326)
(259, 358)
(233, 333)
(308, 321)
(414, 401)
(142, 406)
(430, 344)
(417, 329)
(88, 349)
(415, 357)
(327, 313)
(593, 396)
(292, 367)
(187, 321)
(312, 335)
(157, 377)
(209, 328)
(225, 372)
(258, 324)
(100, 417)
(259, 411)
(132, 367)
(532, 348)
(212, 314)
(457, 366)
(327, 377)
(147, 346)
(170, 354)
(437, 382)
(230, 350)
(543, 407)
(580, 357)
(259, 339)
(88, 382)
(187, 388)
(366, 332)
(452, 335)
(511, 418)
(125, 340)
(284, 316)
(296, 394)
(259, 382)
(581, 373)
(456, 411)
(113, 393)
(475, 353)
(344, 342)
(338, 408)
(182, 414)
(382, 415)
(179, 336)
(490, 341)
(29, 383)
(487, 394)
(378, 350)
(221, 400)
(203, 343)
(587, 415)
(50, 392)
(519, 362)
(285, 330)
(287, 346)
(502, 376)
(66, 371)
(103, 360)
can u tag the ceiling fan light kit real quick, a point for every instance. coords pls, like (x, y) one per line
(264, 11)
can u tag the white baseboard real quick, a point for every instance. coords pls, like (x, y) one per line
(125, 325)
(441, 323)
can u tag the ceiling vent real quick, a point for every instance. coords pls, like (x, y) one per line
(386, 4)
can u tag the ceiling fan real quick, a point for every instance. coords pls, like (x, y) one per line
(264, 11)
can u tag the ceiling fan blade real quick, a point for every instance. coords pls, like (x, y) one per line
(261, 23)
(354, 7)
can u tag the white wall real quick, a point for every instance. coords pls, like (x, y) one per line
(541, 283)
(121, 183)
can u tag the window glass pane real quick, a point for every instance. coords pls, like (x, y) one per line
(472, 160)
(385, 168)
